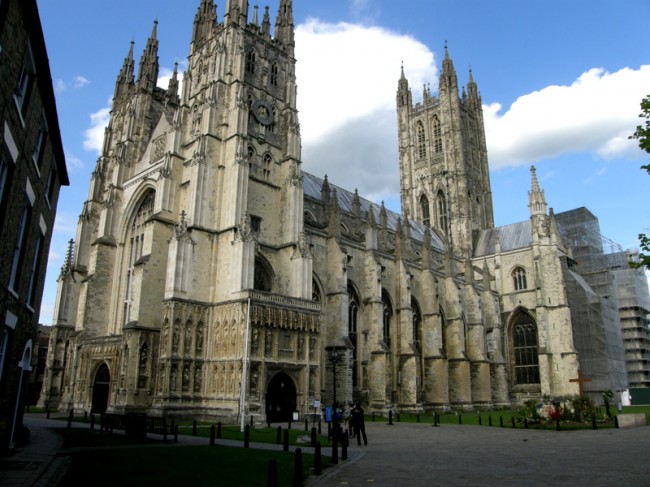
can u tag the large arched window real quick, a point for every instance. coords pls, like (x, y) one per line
(524, 349)
(262, 276)
(250, 62)
(417, 325)
(316, 294)
(353, 331)
(519, 278)
(443, 219)
(424, 210)
(135, 241)
(388, 316)
(443, 333)
(422, 141)
(437, 135)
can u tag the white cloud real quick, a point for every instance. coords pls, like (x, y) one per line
(59, 86)
(80, 82)
(94, 136)
(595, 114)
(347, 76)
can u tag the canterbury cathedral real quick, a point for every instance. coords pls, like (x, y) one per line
(211, 276)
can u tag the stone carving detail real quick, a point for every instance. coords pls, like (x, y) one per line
(158, 149)
(302, 248)
(244, 230)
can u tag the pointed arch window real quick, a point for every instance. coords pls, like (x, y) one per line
(422, 141)
(135, 247)
(417, 325)
(274, 74)
(437, 135)
(519, 280)
(262, 276)
(250, 62)
(424, 211)
(316, 294)
(353, 316)
(524, 349)
(443, 219)
(387, 315)
(443, 333)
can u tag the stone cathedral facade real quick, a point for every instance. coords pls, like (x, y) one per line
(212, 276)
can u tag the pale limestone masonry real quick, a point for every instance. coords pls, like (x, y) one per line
(204, 250)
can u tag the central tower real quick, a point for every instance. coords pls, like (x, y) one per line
(444, 173)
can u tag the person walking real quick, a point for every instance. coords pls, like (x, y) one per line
(359, 424)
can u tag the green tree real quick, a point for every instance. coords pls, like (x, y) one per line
(642, 134)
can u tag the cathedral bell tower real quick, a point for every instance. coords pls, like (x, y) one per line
(444, 173)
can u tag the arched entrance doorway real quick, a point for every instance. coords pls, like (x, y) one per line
(100, 390)
(280, 398)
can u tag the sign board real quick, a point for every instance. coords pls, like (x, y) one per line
(316, 404)
(328, 414)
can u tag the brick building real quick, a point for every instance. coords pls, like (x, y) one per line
(32, 170)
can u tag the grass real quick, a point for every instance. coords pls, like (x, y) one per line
(126, 462)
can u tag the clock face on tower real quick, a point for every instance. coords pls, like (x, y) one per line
(262, 112)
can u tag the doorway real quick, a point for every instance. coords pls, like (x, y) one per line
(101, 387)
(280, 398)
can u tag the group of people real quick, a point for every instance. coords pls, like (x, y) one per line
(356, 424)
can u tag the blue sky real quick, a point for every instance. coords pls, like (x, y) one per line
(560, 81)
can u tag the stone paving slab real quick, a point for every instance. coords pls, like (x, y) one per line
(422, 455)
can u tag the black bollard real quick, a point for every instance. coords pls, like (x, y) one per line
(47, 411)
(418, 418)
(335, 450)
(247, 436)
(593, 423)
(318, 464)
(460, 419)
(212, 434)
(514, 423)
(85, 416)
(92, 422)
(373, 417)
(219, 430)
(289, 427)
(313, 437)
(297, 468)
(306, 425)
(501, 421)
(319, 428)
(557, 424)
(616, 421)
(390, 418)
(278, 437)
(480, 421)
(252, 421)
(345, 441)
(193, 428)
(398, 418)
(272, 474)
(70, 417)
(285, 447)
(490, 420)
(525, 423)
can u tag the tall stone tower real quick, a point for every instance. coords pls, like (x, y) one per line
(444, 174)
(192, 235)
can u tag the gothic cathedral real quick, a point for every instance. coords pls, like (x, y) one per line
(211, 276)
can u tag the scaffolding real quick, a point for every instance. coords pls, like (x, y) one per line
(606, 297)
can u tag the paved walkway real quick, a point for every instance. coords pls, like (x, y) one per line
(418, 455)
(421, 455)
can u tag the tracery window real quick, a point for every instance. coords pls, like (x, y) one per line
(353, 315)
(262, 276)
(437, 135)
(135, 243)
(519, 279)
(315, 292)
(422, 145)
(417, 325)
(524, 350)
(274, 75)
(250, 62)
(424, 210)
(443, 337)
(387, 315)
(443, 219)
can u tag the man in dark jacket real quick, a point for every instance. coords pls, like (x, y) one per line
(359, 424)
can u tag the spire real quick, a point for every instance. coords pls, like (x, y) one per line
(266, 22)
(325, 191)
(403, 91)
(284, 23)
(204, 21)
(125, 78)
(448, 78)
(172, 89)
(383, 216)
(472, 88)
(237, 12)
(148, 68)
(356, 204)
(256, 22)
(536, 198)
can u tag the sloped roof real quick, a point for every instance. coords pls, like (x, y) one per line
(312, 188)
(510, 237)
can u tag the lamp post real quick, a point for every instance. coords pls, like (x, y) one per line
(334, 358)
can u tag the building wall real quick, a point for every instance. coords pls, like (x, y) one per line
(33, 169)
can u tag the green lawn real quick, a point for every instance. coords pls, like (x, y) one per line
(124, 462)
